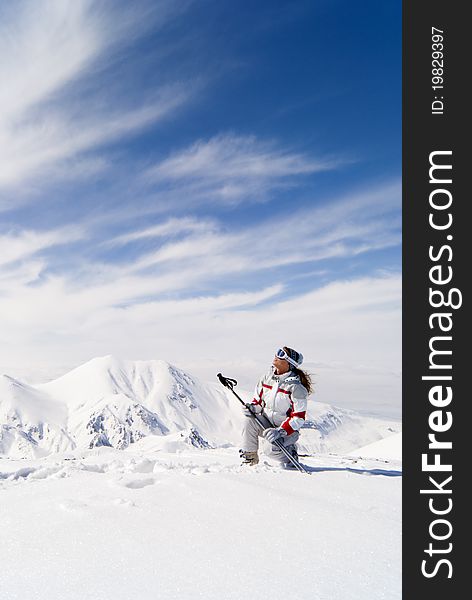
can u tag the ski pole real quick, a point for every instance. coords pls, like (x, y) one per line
(230, 384)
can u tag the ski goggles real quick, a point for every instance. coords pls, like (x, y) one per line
(284, 356)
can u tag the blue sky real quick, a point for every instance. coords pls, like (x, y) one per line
(200, 182)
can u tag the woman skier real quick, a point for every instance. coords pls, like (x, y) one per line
(282, 395)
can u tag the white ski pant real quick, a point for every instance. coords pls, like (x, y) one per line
(252, 431)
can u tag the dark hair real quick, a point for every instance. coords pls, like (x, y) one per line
(305, 378)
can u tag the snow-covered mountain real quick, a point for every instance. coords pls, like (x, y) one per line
(31, 422)
(111, 402)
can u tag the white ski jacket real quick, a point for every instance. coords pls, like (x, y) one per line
(283, 398)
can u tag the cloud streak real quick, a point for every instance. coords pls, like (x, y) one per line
(232, 168)
(100, 304)
(46, 119)
(350, 226)
(20, 246)
(170, 228)
(182, 256)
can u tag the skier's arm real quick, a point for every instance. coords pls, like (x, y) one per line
(297, 417)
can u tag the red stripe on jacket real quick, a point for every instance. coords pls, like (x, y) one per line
(256, 401)
(286, 424)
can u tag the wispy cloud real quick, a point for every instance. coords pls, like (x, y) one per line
(350, 226)
(233, 168)
(205, 256)
(169, 228)
(45, 120)
(47, 45)
(25, 244)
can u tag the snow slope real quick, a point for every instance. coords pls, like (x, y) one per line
(389, 448)
(110, 402)
(149, 524)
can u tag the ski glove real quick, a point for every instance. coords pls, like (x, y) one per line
(272, 434)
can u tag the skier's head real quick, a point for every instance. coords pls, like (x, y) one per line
(287, 359)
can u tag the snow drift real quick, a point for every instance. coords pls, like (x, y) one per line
(388, 448)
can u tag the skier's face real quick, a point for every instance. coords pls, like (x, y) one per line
(281, 365)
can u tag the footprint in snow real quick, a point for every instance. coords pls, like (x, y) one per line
(91, 468)
(142, 466)
(124, 502)
(73, 506)
(135, 484)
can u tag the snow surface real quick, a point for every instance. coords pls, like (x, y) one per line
(149, 524)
